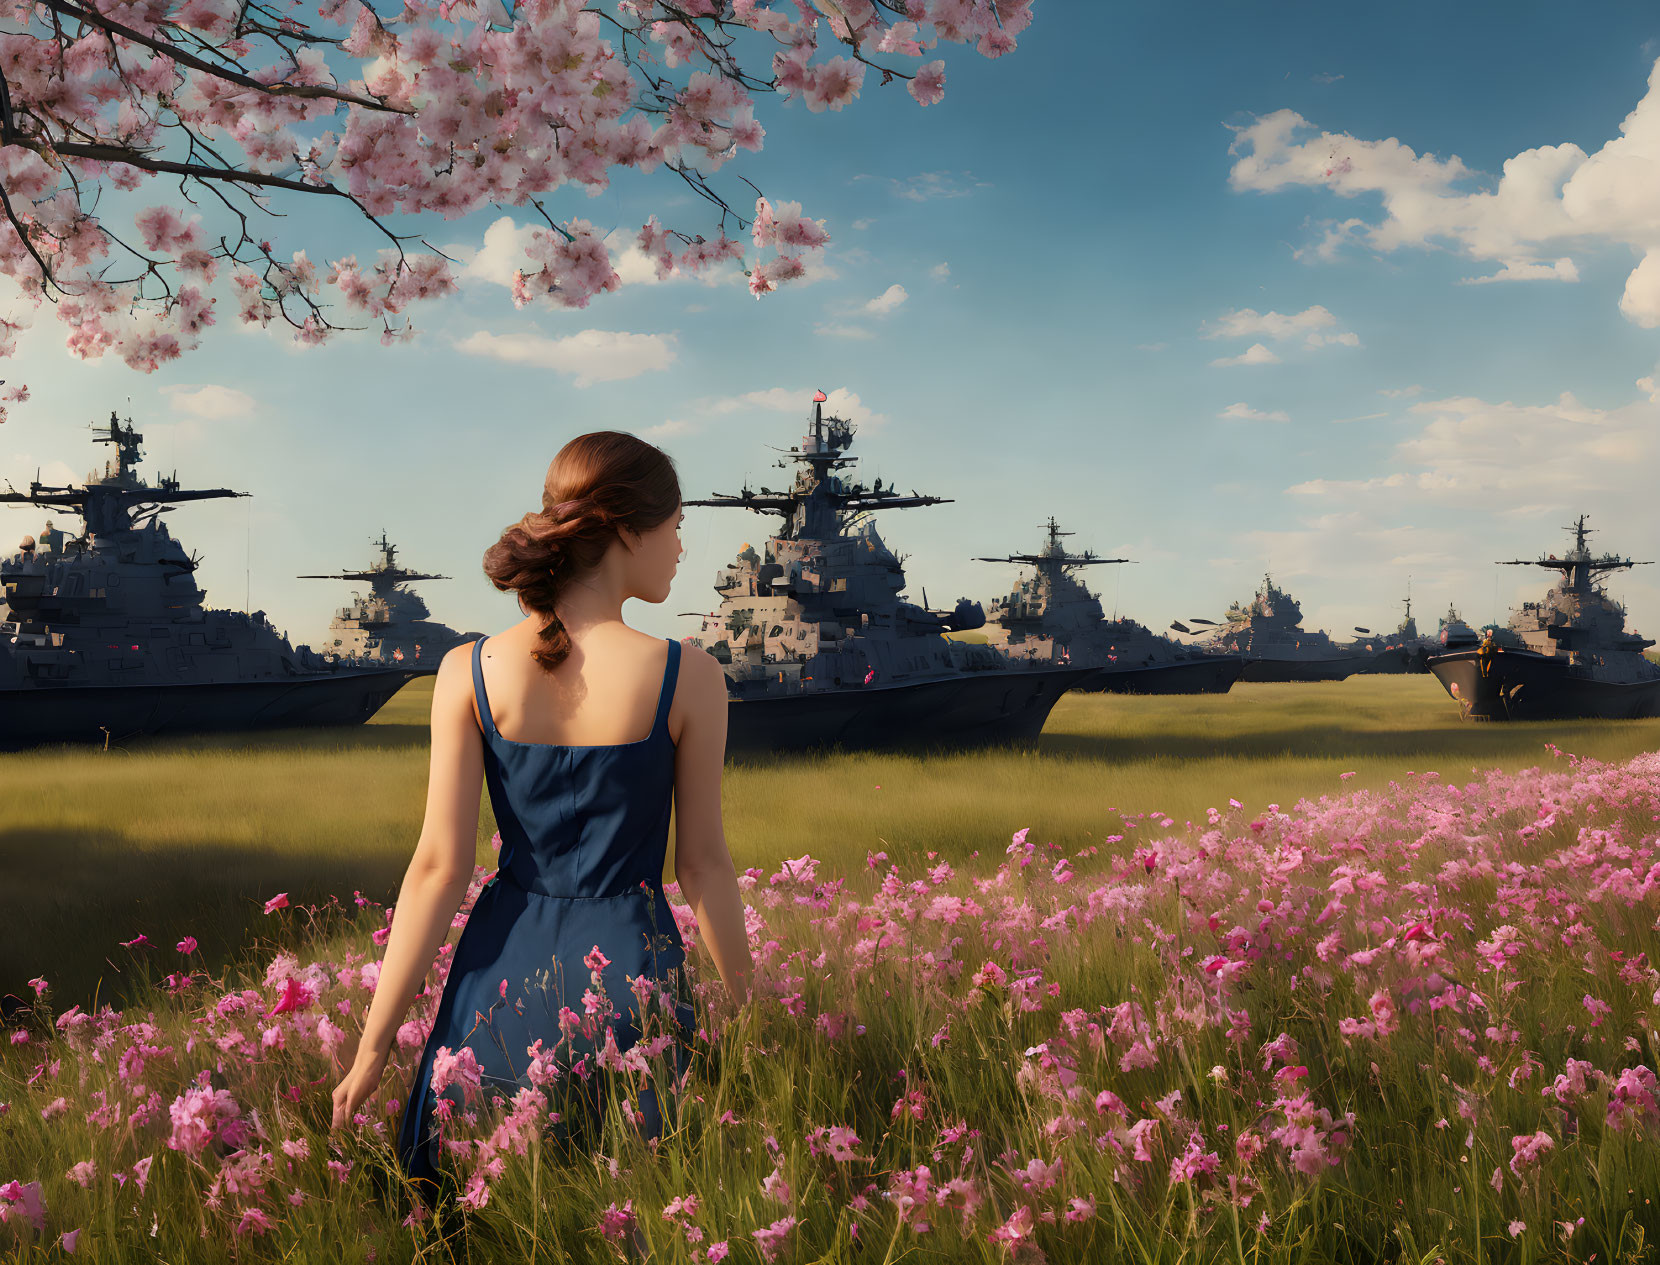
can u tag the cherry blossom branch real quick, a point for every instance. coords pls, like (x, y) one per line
(303, 91)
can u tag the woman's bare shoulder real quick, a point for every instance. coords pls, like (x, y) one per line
(702, 671)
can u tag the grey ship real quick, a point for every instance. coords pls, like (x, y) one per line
(1575, 657)
(105, 635)
(818, 645)
(1051, 616)
(1401, 651)
(390, 625)
(1268, 632)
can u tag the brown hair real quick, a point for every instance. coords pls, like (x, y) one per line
(599, 483)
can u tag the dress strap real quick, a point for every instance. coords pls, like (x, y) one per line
(671, 678)
(484, 717)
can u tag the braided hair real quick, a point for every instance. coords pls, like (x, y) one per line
(598, 484)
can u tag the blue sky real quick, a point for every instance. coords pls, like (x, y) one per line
(1079, 232)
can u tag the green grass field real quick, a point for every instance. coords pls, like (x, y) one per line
(192, 836)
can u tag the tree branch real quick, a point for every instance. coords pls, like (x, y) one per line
(140, 159)
(174, 53)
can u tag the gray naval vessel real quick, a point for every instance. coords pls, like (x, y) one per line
(1050, 615)
(1574, 658)
(104, 634)
(390, 624)
(1403, 650)
(820, 647)
(1268, 632)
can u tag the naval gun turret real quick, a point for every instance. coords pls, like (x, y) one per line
(1567, 655)
(390, 623)
(818, 642)
(1051, 615)
(105, 634)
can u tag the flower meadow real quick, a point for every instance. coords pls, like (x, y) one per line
(1414, 1023)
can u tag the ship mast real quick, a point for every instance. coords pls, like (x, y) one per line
(1054, 561)
(1579, 569)
(822, 503)
(384, 574)
(115, 500)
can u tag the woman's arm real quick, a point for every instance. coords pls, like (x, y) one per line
(434, 884)
(702, 863)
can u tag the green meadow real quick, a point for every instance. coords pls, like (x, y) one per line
(191, 836)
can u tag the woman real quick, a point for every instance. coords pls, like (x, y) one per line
(550, 713)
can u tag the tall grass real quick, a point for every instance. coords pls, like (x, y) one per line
(174, 837)
(1398, 1024)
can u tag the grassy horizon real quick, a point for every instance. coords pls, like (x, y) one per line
(190, 836)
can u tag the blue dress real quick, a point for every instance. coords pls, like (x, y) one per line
(584, 831)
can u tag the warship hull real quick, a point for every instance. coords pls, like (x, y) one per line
(30, 717)
(1211, 675)
(1281, 670)
(1522, 685)
(978, 709)
(1398, 661)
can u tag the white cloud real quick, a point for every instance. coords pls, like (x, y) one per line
(1255, 354)
(1563, 269)
(1312, 325)
(1548, 197)
(1151, 346)
(1641, 300)
(209, 402)
(593, 355)
(1490, 457)
(1364, 417)
(927, 185)
(863, 223)
(668, 430)
(1396, 393)
(797, 402)
(889, 299)
(940, 270)
(1245, 413)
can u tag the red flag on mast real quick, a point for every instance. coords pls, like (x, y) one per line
(819, 397)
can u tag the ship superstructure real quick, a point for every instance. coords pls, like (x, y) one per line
(818, 641)
(1268, 631)
(390, 623)
(1051, 616)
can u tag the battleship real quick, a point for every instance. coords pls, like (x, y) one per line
(1569, 654)
(104, 635)
(1268, 632)
(1403, 650)
(819, 645)
(390, 624)
(1051, 616)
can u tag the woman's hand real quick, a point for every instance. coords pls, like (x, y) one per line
(359, 1083)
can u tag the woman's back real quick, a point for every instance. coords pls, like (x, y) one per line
(586, 820)
(605, 691)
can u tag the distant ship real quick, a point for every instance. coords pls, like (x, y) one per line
(1404, 650)
(1569, 654)
(1051, 616)
(818, 645)
(390, 625)
(104, 634)
(1268, 633)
